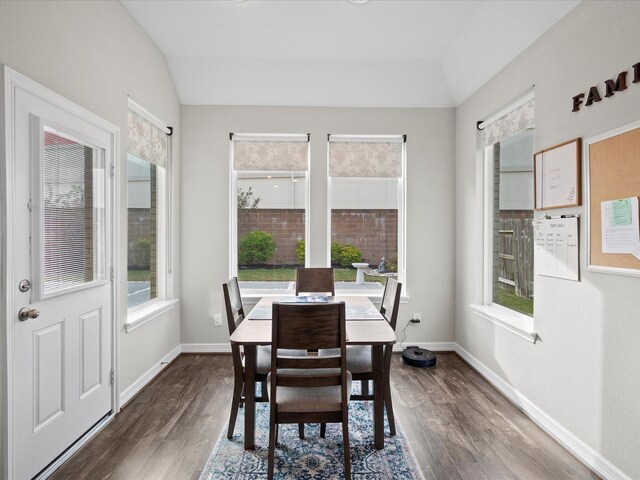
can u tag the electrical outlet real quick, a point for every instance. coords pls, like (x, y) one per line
(217, 319)
(417, 316)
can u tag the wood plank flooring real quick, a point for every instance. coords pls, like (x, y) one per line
(458, 425)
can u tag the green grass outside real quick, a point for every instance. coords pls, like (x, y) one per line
(515, 302)
(289, 275)
(138, 275)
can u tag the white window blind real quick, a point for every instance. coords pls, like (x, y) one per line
(368, 156)
(73, 214)
(147, 141)
(281, 153)
(518, 119)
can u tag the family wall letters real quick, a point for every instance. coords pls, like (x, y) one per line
(611, 86)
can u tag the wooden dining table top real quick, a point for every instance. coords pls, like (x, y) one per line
(365, 324)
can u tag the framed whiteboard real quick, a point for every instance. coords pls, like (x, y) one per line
(557, 176)
(557, 247)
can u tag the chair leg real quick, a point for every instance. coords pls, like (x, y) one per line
(263, 391)
(364, 387)
(273, 434)
(235, 403)
(323, 430)
(388, 404)
(301, 430)
(347, 453)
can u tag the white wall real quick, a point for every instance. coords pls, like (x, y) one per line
(585, 370)
(430, 204)
(94, 54)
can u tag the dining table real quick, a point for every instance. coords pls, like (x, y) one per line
(365, 325)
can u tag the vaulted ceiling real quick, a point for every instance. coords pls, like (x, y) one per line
(382, 53)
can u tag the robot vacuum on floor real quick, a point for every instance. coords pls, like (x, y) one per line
(419, 357)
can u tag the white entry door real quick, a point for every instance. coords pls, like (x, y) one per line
(61, 228)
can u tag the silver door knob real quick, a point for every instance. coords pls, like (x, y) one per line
(26, 313)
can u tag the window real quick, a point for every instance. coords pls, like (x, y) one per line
(508, 184)
(73, 221)
(269, 210)
(366, 211)
(147, 213)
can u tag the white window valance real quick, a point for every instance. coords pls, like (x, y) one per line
(379, 157)
(517, 120)
(287, 153)
(147, 141)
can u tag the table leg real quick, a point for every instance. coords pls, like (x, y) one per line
(378, 396)
(249, 396)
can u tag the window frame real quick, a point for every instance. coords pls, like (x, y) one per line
(511, 320)
(233, 214)
(402, 203)
(164, 301)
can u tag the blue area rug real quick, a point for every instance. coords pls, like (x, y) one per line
(314, 458)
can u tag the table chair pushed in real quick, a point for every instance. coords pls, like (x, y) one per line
(308, 389)
(315, 280)
(359, 361)
(235, 316)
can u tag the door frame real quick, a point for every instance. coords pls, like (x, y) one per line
(10, 82)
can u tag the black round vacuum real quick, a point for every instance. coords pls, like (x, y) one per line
(419, 357)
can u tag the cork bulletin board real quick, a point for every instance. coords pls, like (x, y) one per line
(612, 164)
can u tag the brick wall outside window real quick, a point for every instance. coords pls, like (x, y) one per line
(373, 232)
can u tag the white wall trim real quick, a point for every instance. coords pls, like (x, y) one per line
(433, 346)
(206, 347)
(131, 391)
(570, 441)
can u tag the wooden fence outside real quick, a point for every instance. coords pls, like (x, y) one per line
(515, 253)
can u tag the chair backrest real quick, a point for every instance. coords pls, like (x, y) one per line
(315, 280)
(391, 301)
(235, 314)
(306, 327)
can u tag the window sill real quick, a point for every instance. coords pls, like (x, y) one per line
(153, 310)
(514, 322)
(252, 298)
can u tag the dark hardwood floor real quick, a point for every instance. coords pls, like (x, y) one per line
(458, 425)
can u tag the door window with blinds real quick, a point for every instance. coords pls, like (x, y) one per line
(147, 161)
(270, 198)
(69, 201)
(366, 217)
(508, 146)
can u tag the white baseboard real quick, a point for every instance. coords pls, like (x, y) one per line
(147, 376)
(577, 447)
(206, 347)
(433, 346)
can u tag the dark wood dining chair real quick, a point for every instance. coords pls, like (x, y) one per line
(315, 280)
(359, 360)
(235, 316)
(309, 389)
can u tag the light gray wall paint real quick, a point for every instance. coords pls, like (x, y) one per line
(94, 54)
(430, 204)
(585, 371)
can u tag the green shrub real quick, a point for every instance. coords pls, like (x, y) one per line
(336, 252)
(392, 264)
(140, 254)
(349, 255)
(300, 251)
(344, 255)
(256, 248)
